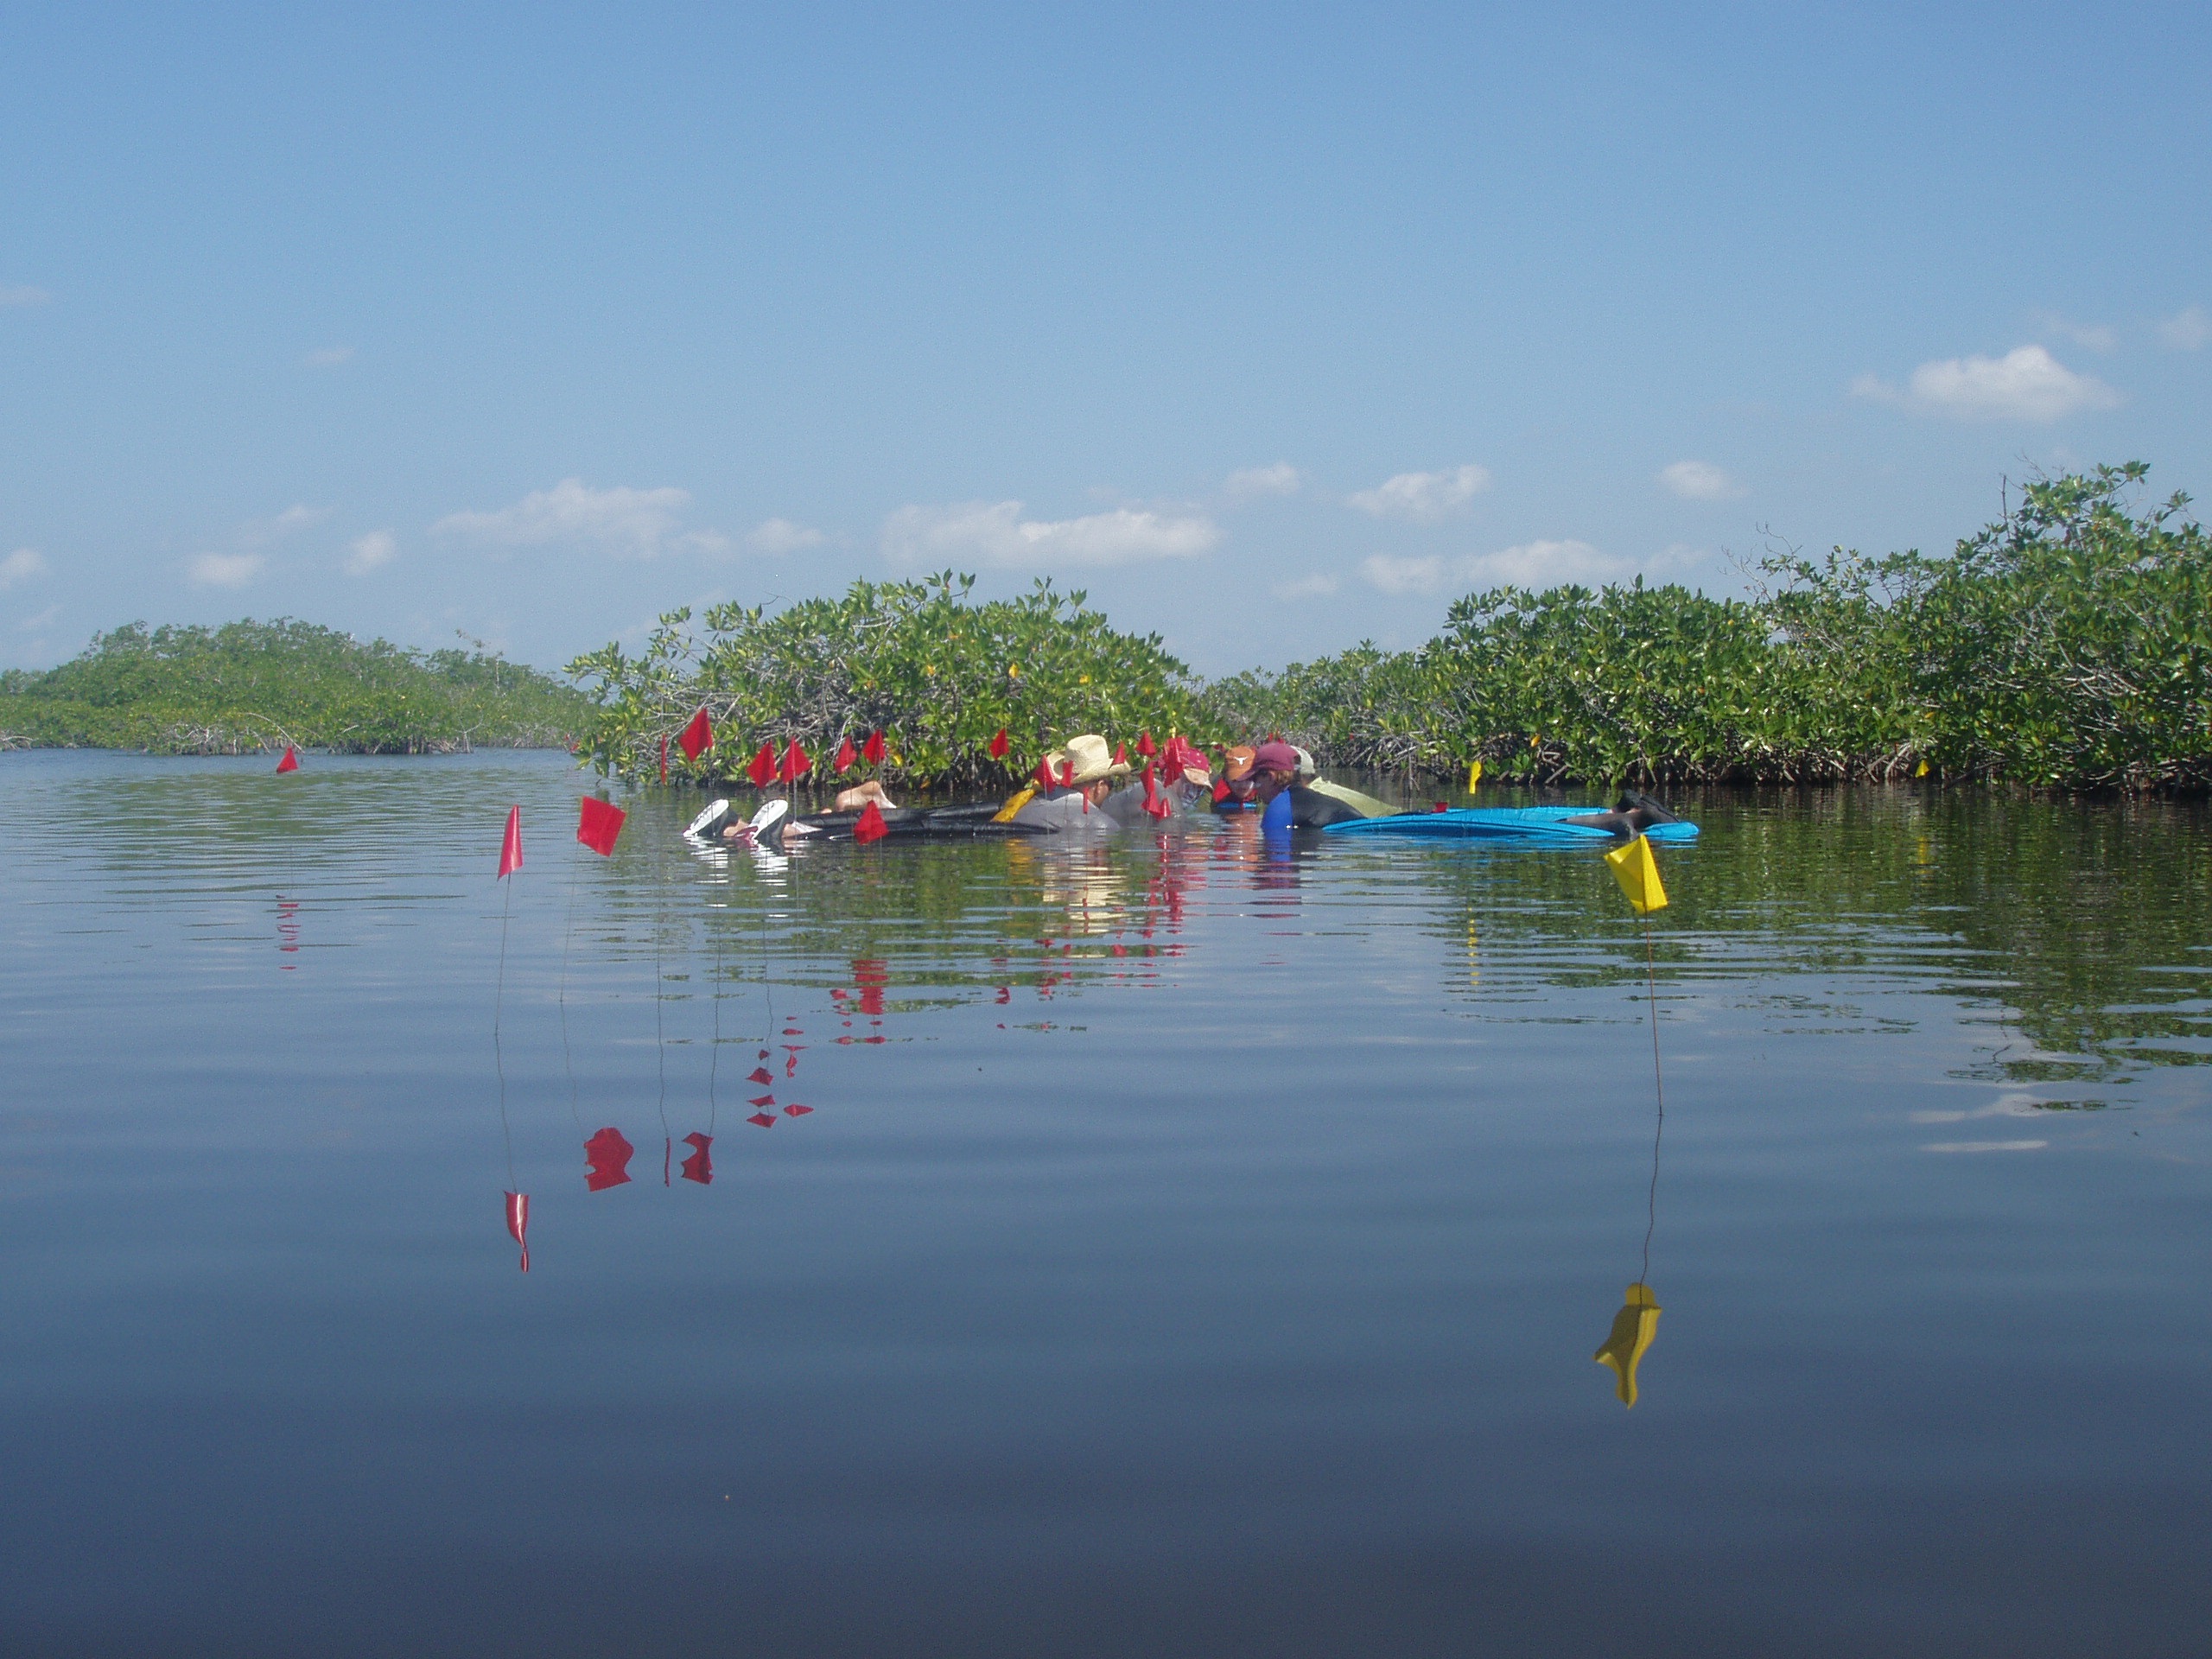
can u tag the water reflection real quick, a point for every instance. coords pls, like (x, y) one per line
(607, 1156)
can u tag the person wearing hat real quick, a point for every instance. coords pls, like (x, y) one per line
(1083, 774)
(1175, 780)
(1285, 803)
(1232, 790)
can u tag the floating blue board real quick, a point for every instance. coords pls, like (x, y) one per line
(1542, 823)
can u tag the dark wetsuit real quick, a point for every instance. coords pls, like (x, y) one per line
(1310, 809)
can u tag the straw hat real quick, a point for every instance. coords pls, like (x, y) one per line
(1090, 759)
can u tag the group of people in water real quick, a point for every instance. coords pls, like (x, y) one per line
(1085, 785)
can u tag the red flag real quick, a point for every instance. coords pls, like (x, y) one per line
(999, 745)
(795, 763)
(698, 737)
(1120, 754)
(608, 1155)
(1067, 774)
(762, 1120)
(869, 826)
(874, 748)
(699, 1165)
(762, 771)
(1044, 774)
(511, 844)
(1153, 802)
(598, 824)
(847, 755)
(518, 1223)
(1145, 745)
(292, 760)
(663, 757)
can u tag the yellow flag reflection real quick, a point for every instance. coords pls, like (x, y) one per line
(1633, 1328)
(1638, 873)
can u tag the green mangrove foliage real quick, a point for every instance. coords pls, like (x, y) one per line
(251, 685)
(2066, 644)
(937, 672)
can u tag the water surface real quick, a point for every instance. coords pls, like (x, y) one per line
(1164, 1246)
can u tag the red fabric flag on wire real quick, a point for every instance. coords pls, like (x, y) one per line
(1145, 746)
(518, 1223)
(1044, 774)
(847, 755)
(511, 844)
(598, 824)
(699, 736)
(999, 745)
(608, 1155)
(762, 771)
(1120, 754)
(699, 1165)
(874, 748)
(796, 764)
(870, 826)
(1067, 774)
(1153, 803)
(292, 760)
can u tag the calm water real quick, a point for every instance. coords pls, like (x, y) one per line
(1186, 1251)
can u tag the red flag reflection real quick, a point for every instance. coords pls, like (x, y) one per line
(518, 1223)
(609, 1155)
(699, 1165)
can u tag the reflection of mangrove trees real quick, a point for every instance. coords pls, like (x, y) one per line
(2080, 928)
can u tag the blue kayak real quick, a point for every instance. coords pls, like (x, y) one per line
(1539, 823)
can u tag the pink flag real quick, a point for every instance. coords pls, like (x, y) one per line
(698, 736)
(518, 1223)
(292, 760)
(597, 825)
(511, 844)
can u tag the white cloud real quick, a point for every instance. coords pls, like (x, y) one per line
(328, 357)
(226, 570)
(2026, 383)
(2097, 336)
(636, 522)
(1547, 564)
(264, 531)
(1318, 585)
(21, 296)
(21, 565)
(1699, 481)
(1423, 497)
(1529, 564)
(371, 552)
(1393, 575)
(1281, 479)
(2187, 329)
(44, 619)
(996, 533)
(782, 536)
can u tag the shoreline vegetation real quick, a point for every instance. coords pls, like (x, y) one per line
(2067, 645)
(251, 687)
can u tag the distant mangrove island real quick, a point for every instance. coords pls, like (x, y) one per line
(2064, 645)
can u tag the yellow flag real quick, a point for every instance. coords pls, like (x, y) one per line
(1921, 770)
(1474, 776)
(1633, 1328)
(1638, 873)
(1005, 814)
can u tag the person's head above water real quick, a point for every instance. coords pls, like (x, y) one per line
(1274, 768)
(1086, 765)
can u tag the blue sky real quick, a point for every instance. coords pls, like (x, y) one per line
(1272, 328)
